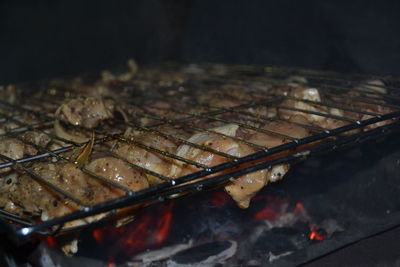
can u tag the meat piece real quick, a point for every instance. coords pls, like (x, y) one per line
(152, 161)
(117, 171)
(16, 149)
(283, 128)
(374, 91)
(9, 93)
(244, 187)
(12, 148)
(311, 94)
(211, 140)
(37, 198)
(8, 182)
(86, 112)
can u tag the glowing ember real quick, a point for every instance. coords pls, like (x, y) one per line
(98, 236)
(111, 262)
(272, 210)
(164, 225)
(314, 235)
(51, 241)
(219, 199)
(150, 229)
(299, 208)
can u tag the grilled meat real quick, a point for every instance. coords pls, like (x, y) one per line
(34, 197)
(152, 161)
(85, 112)
(227, 109)
(117, 171)
(246, 186)
(309, 100)
(16, 149)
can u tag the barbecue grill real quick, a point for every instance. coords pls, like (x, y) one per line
(182, 86)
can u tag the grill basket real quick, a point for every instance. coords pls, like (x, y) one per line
(191, 99)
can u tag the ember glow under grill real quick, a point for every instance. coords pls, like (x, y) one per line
(188, 100)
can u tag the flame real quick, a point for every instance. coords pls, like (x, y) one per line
(314, 235)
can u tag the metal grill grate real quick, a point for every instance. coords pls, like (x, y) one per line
(175, 102)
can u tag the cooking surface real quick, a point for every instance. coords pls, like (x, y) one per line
(181, 104)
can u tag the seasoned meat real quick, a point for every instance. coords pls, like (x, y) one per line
(117, 171)
(34, 197)
(38, 138)
(283, 128)
(244, 187)
(211, 140)
(310, 94)
(85, 112)
(9, 93)
(150, 160)
(16, 149)
(12, 148)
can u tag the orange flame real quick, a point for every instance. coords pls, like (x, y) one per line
(314, 235)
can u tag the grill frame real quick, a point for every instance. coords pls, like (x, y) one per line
(259, 159)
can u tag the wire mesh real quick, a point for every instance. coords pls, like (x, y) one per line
(170, 104)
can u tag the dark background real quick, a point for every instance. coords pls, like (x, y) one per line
(40, 39)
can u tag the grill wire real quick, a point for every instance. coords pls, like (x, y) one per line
(189, 115)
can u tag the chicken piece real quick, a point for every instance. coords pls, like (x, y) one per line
(37, 198)
(117, 171)
(37, 138)
(281, 127)
(16, 149)
(296, 81)
(108, 76)
(8, 183)
(10, 93)
(311, 94)
(152, 161)
(12, 148)
(373, 86)
(211, 140)
(86, 112)
(244, 187)
(374, 91)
